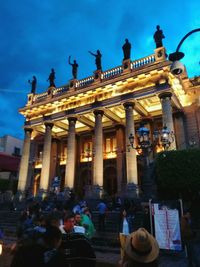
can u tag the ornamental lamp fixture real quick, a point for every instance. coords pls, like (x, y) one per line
(131, 140)
(177, 67)
(143, 137)
(167, 137)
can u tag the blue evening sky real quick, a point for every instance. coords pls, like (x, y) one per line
(39, 35)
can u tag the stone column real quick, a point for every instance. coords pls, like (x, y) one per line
(23, 171)
(98, 152)
(131, 159)
(180, 130)
(120, 158)
(46, 159)
(71, 153)
(167, 118)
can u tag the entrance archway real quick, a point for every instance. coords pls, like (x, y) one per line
(36, 184)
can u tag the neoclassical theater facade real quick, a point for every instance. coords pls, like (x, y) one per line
(80, 132)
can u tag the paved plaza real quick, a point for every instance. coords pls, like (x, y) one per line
(112, 259)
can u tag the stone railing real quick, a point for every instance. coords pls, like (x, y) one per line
(60, 90)
(40, 97)
(112, 73)
(143, 61)
(105, 75)
(84, 82)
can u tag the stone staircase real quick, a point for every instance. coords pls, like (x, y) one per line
(9, 221)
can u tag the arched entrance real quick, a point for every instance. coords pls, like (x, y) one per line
(110, 180)
(36, 184)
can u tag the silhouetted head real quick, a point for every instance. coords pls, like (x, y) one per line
(126, 40)
(74, 61)
(98, 52)
(52, 70)
(34, 77)
(158, 27)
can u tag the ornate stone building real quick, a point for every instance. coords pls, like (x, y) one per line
(80, 131)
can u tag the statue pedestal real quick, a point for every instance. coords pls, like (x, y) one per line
(97, 76)
(50, 91)
(160, 54)
(126, 65)
(72, 85)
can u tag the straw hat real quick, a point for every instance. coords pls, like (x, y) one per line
(141, 246)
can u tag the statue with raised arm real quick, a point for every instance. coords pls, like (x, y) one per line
(97, 59)
(158, 36)
(126, 49)
(74, 67)
(33, 84)
(51, 78)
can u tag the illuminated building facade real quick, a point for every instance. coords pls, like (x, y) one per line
(80, 132)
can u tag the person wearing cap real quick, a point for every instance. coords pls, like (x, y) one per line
(141, 249)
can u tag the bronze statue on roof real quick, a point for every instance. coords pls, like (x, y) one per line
(158, 36)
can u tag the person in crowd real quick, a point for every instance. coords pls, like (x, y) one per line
(141, 250)
(87, 223)
(188, 237)
(102, 209)
(52, 255)
(77, 208)
(78, 227)
(76, 246)
(69, 223)
(125, 228)
(146, 222)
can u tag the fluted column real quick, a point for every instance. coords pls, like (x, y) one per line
(23, 171)
(46, 158)
(131, 159)
(167, 118)
(98, 149)
(71, 152)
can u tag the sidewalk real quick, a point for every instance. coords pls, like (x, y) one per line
(166, 259)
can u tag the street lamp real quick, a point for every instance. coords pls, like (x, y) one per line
(165, 137)
(177, 67)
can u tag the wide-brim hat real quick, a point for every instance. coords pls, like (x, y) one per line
(141, 246)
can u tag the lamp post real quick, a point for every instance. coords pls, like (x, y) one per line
(164, 137)
(177, 67)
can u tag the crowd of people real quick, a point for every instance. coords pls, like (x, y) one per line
(57, 233)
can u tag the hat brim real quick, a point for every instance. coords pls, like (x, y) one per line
(151, 256)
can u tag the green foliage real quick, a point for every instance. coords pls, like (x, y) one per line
(5, 185)
(178, 172)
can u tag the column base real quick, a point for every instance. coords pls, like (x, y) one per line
(94, 192)
(42, 193)
(132, 191)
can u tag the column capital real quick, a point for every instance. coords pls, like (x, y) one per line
(28, 129)
(98, 111)
(129, 104)
(165, 95)
(74, 119)
(119, 126)
(48, 124)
